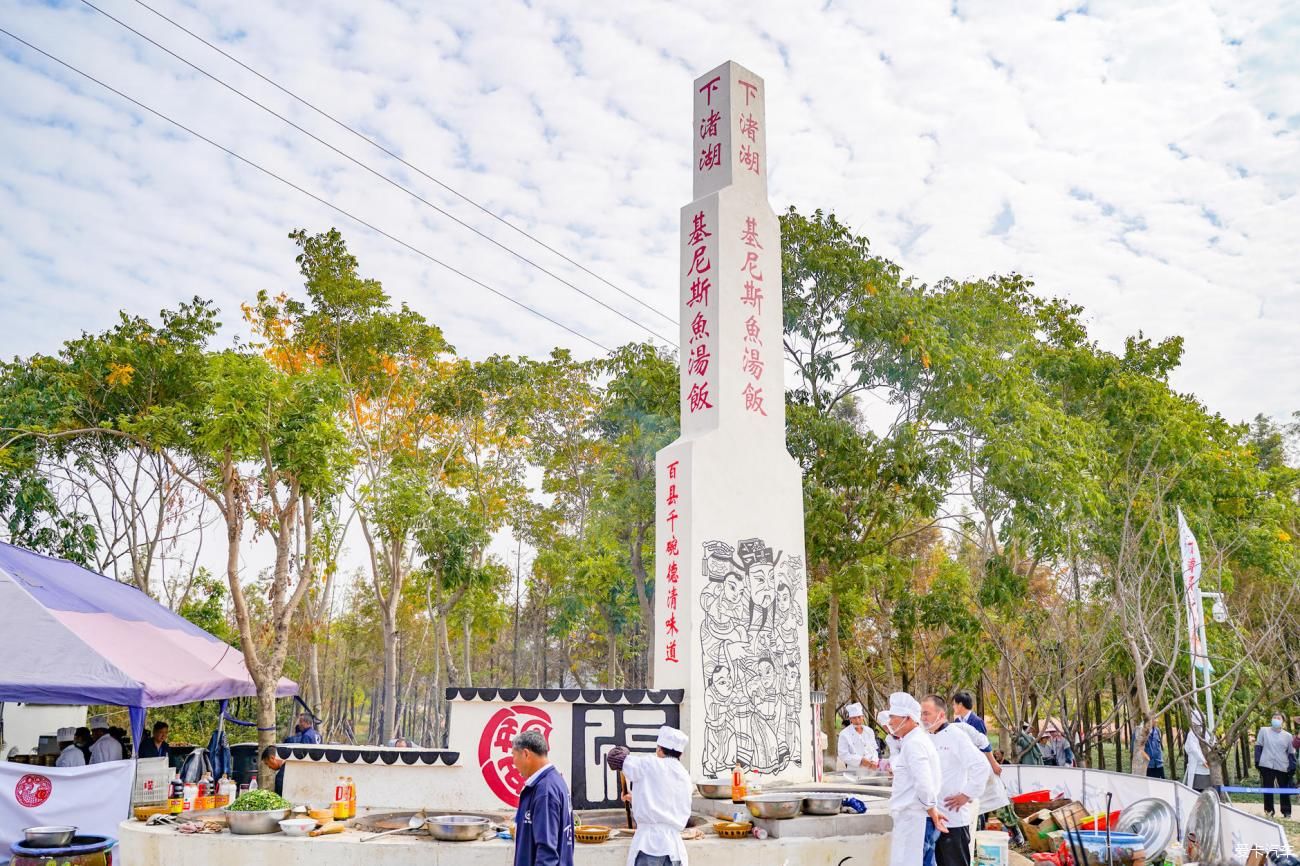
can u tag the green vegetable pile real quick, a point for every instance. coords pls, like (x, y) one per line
(261, 800)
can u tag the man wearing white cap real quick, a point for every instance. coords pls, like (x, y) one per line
(964, 772)
(914, 801)
(857, 744)
(70, 754)
(103, 748)
(661, 799)
(891, 742)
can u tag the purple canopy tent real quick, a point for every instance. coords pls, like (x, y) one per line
(71, 636)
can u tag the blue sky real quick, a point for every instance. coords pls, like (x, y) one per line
(1141, 159)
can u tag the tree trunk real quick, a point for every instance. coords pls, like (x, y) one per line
(388, 713)
(644, 602)
(611, 657)
(469, 665)
(833, 675)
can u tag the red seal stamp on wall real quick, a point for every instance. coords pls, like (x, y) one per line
(494, 748)
(32, 790)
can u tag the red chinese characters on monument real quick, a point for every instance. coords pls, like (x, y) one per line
(700, 272)
(710, 142)
(494, 758)
(672, 574)
(747, 129)
(751, 360)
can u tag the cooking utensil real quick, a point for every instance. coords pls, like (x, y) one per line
(774, 805)
(457, 828)
(49, 837)
(714, 789)
(627, 804)
(1110, 851)
(414, 823)
(297, 826)
(821, 803)
(329, 828)
(255, 823)
(1151, 819)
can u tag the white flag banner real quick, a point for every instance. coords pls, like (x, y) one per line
(1190, 557)
(94, 799)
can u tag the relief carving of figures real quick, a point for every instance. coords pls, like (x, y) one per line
(751, 655)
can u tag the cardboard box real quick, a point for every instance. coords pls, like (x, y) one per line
(1070, 815)
(1036, 827)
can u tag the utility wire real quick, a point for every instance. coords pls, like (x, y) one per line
(311, 195)
(412, 193)
(415, 168)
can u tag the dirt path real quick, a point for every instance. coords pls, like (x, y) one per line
(1289, 826)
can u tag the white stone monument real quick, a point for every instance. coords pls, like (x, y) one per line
(730, 591)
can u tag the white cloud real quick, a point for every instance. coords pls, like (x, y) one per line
(1145, 154)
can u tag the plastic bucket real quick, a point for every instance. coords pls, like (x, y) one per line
(992, 848)
(1042, 796)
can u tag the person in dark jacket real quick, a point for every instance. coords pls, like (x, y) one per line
(963, 705)
(271, 758)
(156, 746)
(544, 821)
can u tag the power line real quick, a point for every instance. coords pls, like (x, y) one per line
(311, 195)
(415, 168)
(382, 176)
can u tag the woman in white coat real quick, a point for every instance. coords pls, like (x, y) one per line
(1197, 776)
(661, 799)
(856, 746)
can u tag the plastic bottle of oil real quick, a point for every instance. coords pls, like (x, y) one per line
(341, 803)
(352, 798)
(738, 784)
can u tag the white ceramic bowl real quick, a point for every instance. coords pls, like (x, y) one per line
(298, 826)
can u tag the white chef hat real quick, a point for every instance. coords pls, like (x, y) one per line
(671, 738)
(66, 735)
(854, 710)
(98, 723)
(903, 705)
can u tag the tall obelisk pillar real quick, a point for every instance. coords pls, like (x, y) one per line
(730, 589)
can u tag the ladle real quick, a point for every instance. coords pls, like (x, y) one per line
(415, 823)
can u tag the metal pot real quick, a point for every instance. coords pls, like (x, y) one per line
(457, 828)
(255, 823)
(774, 805)
(714, 789)
(49, 837)
(822, 803)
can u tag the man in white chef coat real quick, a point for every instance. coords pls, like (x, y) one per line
(914, 801)
(857, 743)
(103, 746)
(964, 773)
(661, 799)
(70, 754)
(891, 742)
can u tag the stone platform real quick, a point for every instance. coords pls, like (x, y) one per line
(876, 820)
(163, 846)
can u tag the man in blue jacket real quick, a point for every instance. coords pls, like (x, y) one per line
(544, 821)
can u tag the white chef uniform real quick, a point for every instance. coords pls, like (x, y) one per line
(963, 769)
(916, 785)
(71, 756)
(106, 748)
(661, 799)
(854, 745)
(995, 795)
